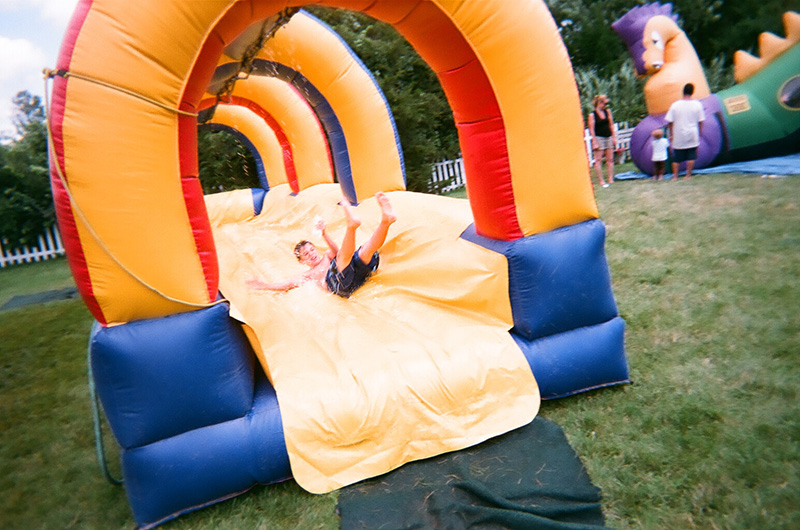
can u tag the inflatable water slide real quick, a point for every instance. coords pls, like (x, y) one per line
(478, 310)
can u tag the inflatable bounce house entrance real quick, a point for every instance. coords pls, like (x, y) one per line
(477, 311)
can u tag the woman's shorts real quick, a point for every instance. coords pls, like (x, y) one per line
(604, 142)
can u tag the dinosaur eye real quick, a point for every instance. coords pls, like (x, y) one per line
(789, 94)
(658, 42)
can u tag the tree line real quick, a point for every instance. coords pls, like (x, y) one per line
(423, 117)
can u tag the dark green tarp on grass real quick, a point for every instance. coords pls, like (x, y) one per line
(527, 479)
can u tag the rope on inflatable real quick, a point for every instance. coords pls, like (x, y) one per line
(97, 421)
(48, 74)
(268, 31)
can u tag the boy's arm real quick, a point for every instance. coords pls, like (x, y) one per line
(333, 248)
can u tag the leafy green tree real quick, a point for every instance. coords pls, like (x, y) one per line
(26, 204)
(225, 163)
(422, 115)
(623, 87)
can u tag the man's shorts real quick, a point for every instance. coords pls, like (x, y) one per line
(345, 282)
(682, 155)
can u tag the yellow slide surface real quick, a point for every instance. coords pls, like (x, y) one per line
(416, 363)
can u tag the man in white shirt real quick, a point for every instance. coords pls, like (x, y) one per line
(685, 118)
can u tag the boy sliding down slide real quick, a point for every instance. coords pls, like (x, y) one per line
(343, 269)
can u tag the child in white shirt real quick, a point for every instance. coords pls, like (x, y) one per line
(659, 158)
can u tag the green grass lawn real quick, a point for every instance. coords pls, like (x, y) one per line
(706, 274)
(32, 278)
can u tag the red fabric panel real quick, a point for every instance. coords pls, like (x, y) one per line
(187, 142)
(286, 147)
(435, 38)
(353, 5)
(283, 140)
(229, 26)
(390, 11)
(238, 17)
(489, 185)
(470, 94)
(64, 214)
(203, 70)
(201, 230)
(261, 10)
(477, 115)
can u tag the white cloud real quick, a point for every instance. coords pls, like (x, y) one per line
(42, 24)
(57, 12)
(16, 58)
(20, 69)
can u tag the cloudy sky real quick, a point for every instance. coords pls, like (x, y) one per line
(30, 36)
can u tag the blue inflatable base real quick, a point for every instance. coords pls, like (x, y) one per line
(566, 321)
(195, 416)
(198, 421)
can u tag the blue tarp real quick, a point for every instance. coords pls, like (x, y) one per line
(775, 166)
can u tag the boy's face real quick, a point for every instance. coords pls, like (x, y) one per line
(309, 255)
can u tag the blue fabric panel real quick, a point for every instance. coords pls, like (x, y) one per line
(327, 116)
(363, 66)
(560, 280)
(778, 165)
(337, 143)
(578, 360)
(161, 377)
(258, 199)
(189, 471)
(265, 436)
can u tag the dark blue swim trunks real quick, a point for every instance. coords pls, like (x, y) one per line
(682, 155)
(345, 282)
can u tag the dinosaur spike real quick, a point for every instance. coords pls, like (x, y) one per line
(791, 26)
(744, 65)
(770, 46)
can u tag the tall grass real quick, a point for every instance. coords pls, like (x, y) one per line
(706, 274)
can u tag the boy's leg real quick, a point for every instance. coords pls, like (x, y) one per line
(348, 245)
(378, 237)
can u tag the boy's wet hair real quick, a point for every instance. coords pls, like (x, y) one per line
(298, 247)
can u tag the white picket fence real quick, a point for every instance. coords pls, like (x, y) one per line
(49, 246)
(448, 175)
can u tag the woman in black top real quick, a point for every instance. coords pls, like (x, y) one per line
(604, 138)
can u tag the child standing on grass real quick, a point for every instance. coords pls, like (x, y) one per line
(660, 154)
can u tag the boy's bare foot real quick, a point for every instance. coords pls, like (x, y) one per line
(350, 215)
(387, 215)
